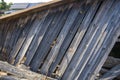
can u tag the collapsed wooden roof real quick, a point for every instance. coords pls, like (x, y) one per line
(65, 40)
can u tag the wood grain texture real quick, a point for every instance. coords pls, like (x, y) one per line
(4, 66)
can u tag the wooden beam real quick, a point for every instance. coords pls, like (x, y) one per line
(110, 75)
(104, 70)
(41, 7)
(111, 62)
(4, 66)
(11, 78)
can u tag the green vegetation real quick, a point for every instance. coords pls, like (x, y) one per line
(4, 5)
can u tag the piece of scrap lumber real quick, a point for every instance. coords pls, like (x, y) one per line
(21, 73)
(113, 73)
(111, 62)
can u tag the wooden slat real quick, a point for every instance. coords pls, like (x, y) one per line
(115, 33)
(50, 36)
(20, 42)
(53, 54)
(38, 38)
(97, 48)
(68, 39)
(104, 52)
(74, 45)
(1, 28)
(31, 51)
(4, 38)
(61, 37)
(104, 27)
(34, 30)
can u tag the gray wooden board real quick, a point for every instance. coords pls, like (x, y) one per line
(34, 30)
(111, 74)
(7, 40)
(1, 28)
(97, 48)
(50, 36)
(4, 35)
(93, 29)
(54, 19)
(4, 40)
(103, 53)
(29, 38)
(38, 38)
(69, 37)
(105, 26)
(14, 37)
(77, 39)
(20, 41)
(16, 33)
(96, 57)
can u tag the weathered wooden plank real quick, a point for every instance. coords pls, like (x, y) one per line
(21, 73)
(20, 42)
(38, 38)
(35, 28)
(11, 78)
(51, 35)
(99, 53)
(60, 39)
(4, 38)
(65, 44)
(4, 35)
(14, 38)
(68, 38)
(104, 71)
(111, 62)
(64, 31)
(1, 28)
(16, 33)
(110, 75)
(106, 26)
(76, 41)
(46, 42)
(106, 51)
(27, 42)
(92, 11)
(90, 62)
